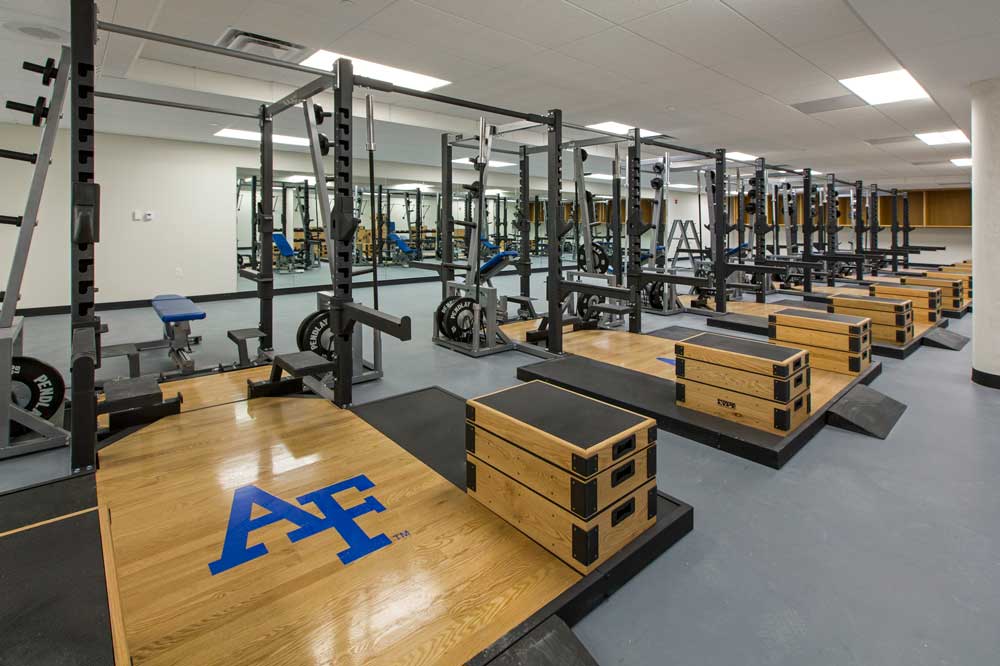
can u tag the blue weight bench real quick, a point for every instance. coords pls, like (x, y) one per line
(499, 261)
(176, 312)
(286, 253)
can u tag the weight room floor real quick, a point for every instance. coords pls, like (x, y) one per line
(858, 551)
(454, 578)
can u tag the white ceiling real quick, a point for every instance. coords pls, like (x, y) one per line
(712, 73)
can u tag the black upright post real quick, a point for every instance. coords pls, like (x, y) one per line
(265, 227)
(635, 228)
(906, 227)
(554, 222)
(539, 218)
(895, 229)
(377, 238)
(720, 232)
(524, 251)
(832, 241)
(873, 228)
(85, 325)
(859, 229)
(807, 227)
(446, 223)
(420, 226)
(284, 210)
(616, 224)
(254, 222)
(306, 224)
(343, 231)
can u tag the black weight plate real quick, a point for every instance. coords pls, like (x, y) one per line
(439, 313)
(583, 304)
(656, 295)
(300, 333)
(36, 387)
(458, 323)
(318, 337)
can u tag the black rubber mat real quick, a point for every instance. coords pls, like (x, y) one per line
(676, 332)
(867, 411)
(729, 343)
(55, 604)
(740, 322)
(551, 643)
(429, 423)
(795, 303)
(48, 500)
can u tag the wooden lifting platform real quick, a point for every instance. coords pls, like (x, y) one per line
(285, 530)
(639, 372)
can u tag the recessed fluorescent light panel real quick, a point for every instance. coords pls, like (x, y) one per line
(814, 172)
(620, 128)
(682, 186)
(740, 157)
(298, 178)
(411, 186)
(943, 138)
(599, 176)
(962, 162)
(247, 135)
(324, 60)
(494, 164)
(885, 88)
(495, 193)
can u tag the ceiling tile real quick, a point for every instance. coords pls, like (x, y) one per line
(686, 29)
(775, 69)
(800, 21)
(629, 54)
(620, 11)
(855, 54)
(919, 115)
(865, 122)
(549, 23)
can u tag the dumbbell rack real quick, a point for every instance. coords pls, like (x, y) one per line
(46, 436)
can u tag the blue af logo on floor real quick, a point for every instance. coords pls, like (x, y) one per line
(236, 552)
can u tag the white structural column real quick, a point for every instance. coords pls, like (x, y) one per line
(986, 232)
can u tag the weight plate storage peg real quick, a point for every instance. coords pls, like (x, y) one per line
(36, 387)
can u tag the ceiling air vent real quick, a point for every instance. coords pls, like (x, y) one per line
(262, 45)
(890, 139)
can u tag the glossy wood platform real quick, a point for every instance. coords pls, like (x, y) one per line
(454, 579)
(646, 353)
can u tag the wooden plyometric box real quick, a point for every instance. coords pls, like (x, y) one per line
(845, 363)
(895, 334)
(950, 288)
(923, 297)
(876, 303)
(956, 268)
(582, 544)
(582, 496)
(743, 354)
(791, 335)
(568, 430)
(748, 410)
(817, 320)
(879, 317)
(778, 389)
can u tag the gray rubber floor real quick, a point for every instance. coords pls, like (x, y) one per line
(859, 551)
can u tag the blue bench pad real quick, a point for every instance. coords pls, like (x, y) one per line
(173, 308)
(496, 259)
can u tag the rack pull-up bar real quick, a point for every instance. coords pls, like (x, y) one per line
(385, 86)
(174, 105)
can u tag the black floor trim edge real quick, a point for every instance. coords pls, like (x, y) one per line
(987, 379)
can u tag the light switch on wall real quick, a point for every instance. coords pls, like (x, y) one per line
(136, 216)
